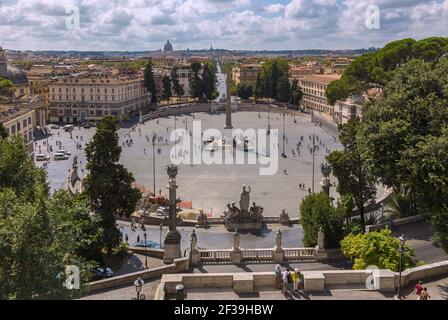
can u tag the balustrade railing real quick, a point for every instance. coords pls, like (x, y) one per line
(215, 255)
(300, 254)
(258, 255)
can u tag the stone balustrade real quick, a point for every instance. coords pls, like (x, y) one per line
(218, 256)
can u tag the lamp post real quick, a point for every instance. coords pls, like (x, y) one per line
(161, 230)
(154, 137)
(269, 121)
(284, 135)
(401, 251)
(146, 253)
(314, 159)
(138, 288)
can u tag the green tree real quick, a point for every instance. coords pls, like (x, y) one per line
(244, 91)
(167, 89)
(271, 80)
(351, 171)
(375, 70)
(317, 212)
(108, 186)
(6, 87)
(3, 132)
(177, 87)
(18, 172)
(150, 83)
(209, 81)
(283, 90)
(39, 235)
(399, 206)
(379, 249)
(196, 82)
(296, 93)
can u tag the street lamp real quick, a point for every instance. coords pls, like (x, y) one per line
(146, 253)
(284, 135)
(154, 137)
(138, 288)
(401, 251)
(161, 230)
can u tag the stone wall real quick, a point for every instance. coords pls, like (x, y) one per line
(179, 265)
(314, 281)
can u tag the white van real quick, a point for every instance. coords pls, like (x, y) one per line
(60, 156)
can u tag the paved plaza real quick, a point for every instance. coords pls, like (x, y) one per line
(212, 187)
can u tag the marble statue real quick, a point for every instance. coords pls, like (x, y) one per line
(245, 199)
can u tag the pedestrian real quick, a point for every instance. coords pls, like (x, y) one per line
(286, 280)
(295, 279)
(418, 289)
(138, 238)
(126, 238)
(278, 276)
(424, 295)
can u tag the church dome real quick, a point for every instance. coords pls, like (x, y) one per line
(168, 47)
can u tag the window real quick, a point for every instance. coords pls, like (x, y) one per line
(18, 126)
(24, 123)
(13, 129)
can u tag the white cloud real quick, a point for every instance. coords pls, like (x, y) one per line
(238, 24)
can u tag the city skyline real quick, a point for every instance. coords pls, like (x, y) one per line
(145, 25)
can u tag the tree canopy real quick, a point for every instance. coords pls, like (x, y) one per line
(150, 83)
(375, 70)
(108, 186)
(316, 211)
(379, 249)
(40, 235)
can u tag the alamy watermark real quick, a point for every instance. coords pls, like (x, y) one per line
(73, 21)
(72, 278)
(373, 17)
(213, 147)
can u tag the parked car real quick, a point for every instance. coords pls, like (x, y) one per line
(60, 156)
(42, 157)
(86, 125)
(149, 244)
(101, 273)
(53, 126)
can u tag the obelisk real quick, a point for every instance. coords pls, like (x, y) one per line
(228, 100)
(172, 239)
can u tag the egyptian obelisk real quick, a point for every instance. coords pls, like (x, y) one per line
(173, 238)
(228, 101)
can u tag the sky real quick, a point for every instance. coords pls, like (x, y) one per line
(139, 25)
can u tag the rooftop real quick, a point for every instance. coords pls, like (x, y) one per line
(321, 78)
(11, 111)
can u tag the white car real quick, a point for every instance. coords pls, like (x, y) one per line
(65, 152)
(54, 126)
(60, 156)
(42, 157)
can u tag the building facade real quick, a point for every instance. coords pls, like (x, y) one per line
(349, 109)
(19, 121)
(246, 74)
(314, 98)
(77, 99)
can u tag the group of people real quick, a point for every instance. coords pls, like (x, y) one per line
(288, 280)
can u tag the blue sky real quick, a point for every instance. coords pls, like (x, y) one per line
(229, 24)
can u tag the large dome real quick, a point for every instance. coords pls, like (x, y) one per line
(168, 47)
